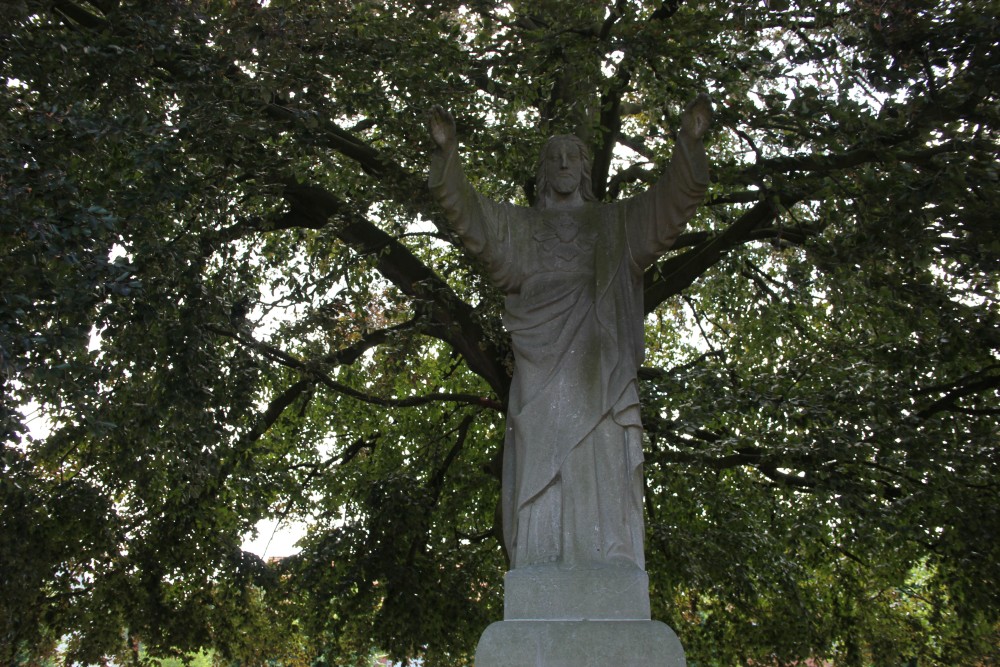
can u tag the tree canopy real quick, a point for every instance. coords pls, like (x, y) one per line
(227, 295)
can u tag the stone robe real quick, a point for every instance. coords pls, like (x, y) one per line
(573, 278)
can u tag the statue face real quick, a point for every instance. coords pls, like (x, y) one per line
(563, 167)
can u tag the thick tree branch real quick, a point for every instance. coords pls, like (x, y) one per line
(648, 373)
(614, 14)
(775, 475)
(674, 274)
(946, 386)
(796, 235)
(405, 187)
(677, 272)
(949, 402)
(79, 15)
(436, 483)
(276, 408)
(631, 174)
(370, 160)
(411, 402)
(853, 158)
(351, 353)
(666, 9)
(610, 127)
(450, 318)
(311, 370)
(355, 448)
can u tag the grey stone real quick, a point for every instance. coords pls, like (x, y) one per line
(603, 593)
(572, 271)
(579, 644)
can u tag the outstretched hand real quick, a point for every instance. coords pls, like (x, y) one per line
(697, 116)
(442, 126)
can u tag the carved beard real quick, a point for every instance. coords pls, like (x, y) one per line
(565, 183)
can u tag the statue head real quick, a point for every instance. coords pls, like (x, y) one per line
(563, 170)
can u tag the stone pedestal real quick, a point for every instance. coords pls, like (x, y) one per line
(578, 618)
(579, 644)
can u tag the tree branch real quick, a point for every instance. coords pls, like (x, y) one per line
(348, 355)
(949, 401)
(79, 15)
(853, 158)
(666, 9)
(436, 483)
(276, 408)
(610, 127)
(310, 370)
(450, 319)
(648, 373)
(673, 275)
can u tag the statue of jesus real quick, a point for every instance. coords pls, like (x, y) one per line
(572, 271)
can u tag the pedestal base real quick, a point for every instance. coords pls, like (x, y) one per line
(579, 644)
(578, 617)
(578, 594)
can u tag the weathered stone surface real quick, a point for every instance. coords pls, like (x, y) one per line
(603, 593)
(572, 271)
(579, 644)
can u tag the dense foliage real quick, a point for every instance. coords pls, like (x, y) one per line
(226, 295)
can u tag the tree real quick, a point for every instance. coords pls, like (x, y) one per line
(226, 292)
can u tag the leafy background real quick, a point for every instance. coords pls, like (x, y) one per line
(227, 296)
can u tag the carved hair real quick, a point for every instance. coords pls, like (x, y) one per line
(586, 185)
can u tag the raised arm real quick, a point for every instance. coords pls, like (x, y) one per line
(657, 217)
(442, 127)
(481, 223)
(446, 180)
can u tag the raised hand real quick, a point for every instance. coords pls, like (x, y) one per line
(697, 116)
(442, 128)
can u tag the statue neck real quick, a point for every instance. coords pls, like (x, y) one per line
(554, 200)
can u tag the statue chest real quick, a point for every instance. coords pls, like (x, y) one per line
(564, 242)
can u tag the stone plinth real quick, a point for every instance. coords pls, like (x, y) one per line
(579, 644)
(599, 617)
(597, 594)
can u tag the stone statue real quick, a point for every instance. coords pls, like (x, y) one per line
(572, 270)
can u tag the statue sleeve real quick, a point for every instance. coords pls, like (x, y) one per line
(655, 219)
(482, 224)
